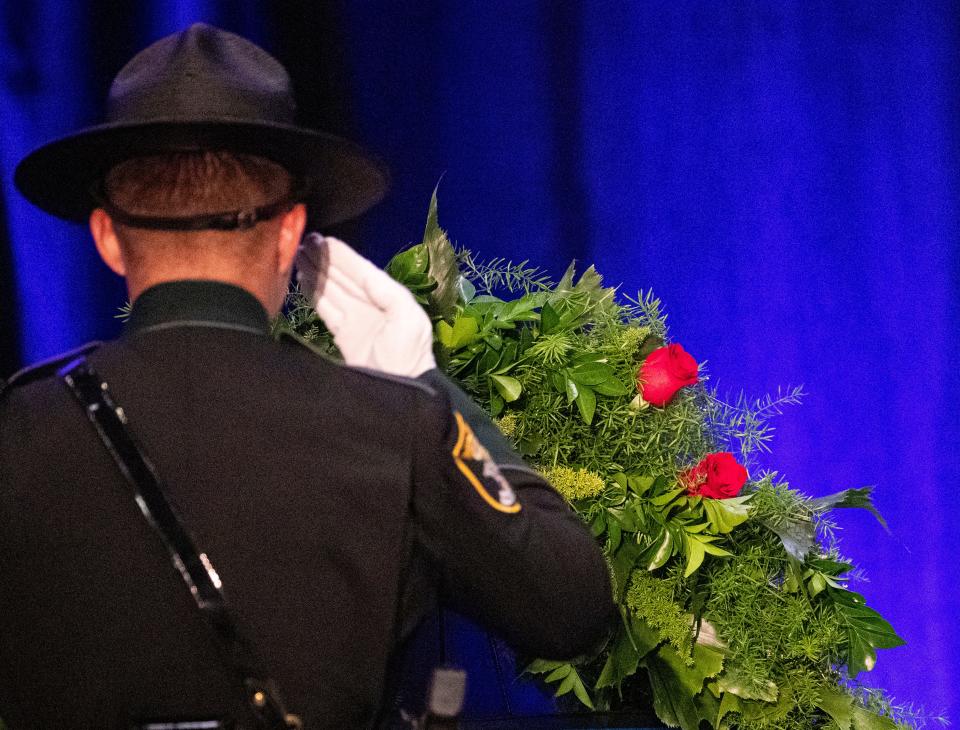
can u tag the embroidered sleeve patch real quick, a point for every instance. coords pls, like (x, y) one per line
(476, 464)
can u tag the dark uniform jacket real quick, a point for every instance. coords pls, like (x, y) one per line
(337, 506)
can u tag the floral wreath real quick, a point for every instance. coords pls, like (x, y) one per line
(735, 601)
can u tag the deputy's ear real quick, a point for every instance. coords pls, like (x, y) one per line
(105, 238)
(291, 231)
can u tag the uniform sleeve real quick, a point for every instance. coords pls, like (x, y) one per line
(513, 555)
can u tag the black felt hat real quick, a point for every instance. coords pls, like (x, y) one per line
(202, 89)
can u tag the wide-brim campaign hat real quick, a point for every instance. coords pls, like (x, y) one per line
(202, 89)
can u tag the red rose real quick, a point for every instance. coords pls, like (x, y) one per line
(664, 372)
(717, 476)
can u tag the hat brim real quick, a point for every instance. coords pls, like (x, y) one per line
(342, 180)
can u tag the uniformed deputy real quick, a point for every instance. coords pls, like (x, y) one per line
(337, 504)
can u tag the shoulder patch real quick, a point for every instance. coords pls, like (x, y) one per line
(476, 464)
(45, 368)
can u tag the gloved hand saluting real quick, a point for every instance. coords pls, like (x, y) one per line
(375, 321)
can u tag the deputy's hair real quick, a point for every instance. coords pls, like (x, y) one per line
(178, 184)
(190, 183)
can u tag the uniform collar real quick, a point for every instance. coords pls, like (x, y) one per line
(196, 303)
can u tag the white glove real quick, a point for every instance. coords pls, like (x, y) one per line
(375, 321)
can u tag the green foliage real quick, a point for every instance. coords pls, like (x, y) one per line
(300, 320)
(866, 629)
(735, 610)
(574, 484)
(654, 601)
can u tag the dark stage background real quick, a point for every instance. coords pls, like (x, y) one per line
(783, 175)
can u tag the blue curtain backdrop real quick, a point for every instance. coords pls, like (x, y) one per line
(783, 175)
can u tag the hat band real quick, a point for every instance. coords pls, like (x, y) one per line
(236, 220)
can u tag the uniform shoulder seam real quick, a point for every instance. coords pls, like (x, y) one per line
(377, 374)
(47, 367)
(390, 377)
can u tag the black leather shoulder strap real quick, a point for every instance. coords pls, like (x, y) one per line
(194, 566)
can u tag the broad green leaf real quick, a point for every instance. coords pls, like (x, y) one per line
(591, 281)
(549, 319)
(667, 497)
(542, 666)
(558, 381)
(407, 264)
(586, 403)
(662, 552)
(566, 685)
(566, 281)
(592, 373)
(509, 357)
(816, 583)
(490, 360)
(725, 514)
(498, 324)
(866, 629)
(530, 445)
(571, 389)
(707, 663)
(464, 331)
(863, 719)
(442, 264)
(707, 706)
(829, 566)
(509, 388)
(713, 549)
(614, 533)
(526, 340)
(572, 681)
(581, 692)
(625, 518)
(673, 705)
(697, 546)
(599, 524)
(839, 705)
(612, 387)
(675, 684)
(590, 284)
(624, 561)
(798, 536)
(695, 553)
(728, 703)
(465, 289)
(645, 639)
(497, 403)
(444, 334)
(768, 712)
(558, 673)
(793, 575)
(493, 340)
(432, 227)
(522, 309)
(622, 661)
(857, 498)
(650, 344)
(639, 485)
